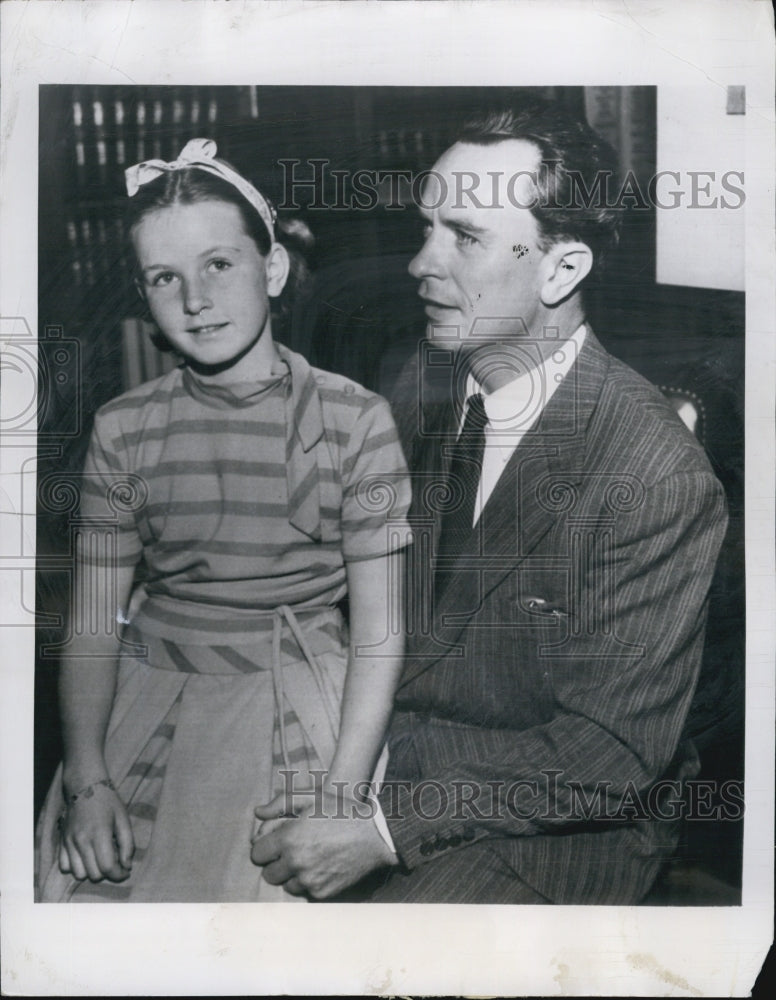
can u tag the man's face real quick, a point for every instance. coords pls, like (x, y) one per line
(480, 267)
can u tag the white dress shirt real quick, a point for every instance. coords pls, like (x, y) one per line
(512, 410)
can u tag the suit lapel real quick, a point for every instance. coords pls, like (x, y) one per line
(532, 493)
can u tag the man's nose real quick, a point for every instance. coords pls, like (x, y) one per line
(195, 297)
(427, 261)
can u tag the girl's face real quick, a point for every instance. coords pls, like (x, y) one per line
(208, 287)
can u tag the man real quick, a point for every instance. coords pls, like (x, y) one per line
(536, 750)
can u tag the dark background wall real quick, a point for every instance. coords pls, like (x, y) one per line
(360, 315)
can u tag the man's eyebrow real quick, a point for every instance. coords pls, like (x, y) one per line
(468, 227)
(450, 222)
(463, 226)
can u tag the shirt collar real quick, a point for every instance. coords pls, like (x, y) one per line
(304, 428)
(514, 408)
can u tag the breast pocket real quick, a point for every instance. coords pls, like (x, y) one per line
(542, 596)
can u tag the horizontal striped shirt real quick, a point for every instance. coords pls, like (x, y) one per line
(189, 481)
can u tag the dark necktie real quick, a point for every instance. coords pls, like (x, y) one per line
(464, 479)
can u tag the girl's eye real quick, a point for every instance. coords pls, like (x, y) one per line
(219, 265)
(162, 279)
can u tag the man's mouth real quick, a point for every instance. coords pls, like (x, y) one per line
(431, 305)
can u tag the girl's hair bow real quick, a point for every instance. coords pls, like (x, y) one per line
(199, 154)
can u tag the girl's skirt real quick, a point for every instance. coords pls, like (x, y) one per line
(198, 737)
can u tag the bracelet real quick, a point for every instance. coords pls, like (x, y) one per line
(88, 791)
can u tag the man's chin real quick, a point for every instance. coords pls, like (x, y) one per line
(450, 334)
(460, 340)
(457, 332)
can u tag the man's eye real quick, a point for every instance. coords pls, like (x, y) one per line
(463, 238)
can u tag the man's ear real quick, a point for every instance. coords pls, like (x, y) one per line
(567, 264)
(277, 265)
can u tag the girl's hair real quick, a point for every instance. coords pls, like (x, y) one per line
(189, 186)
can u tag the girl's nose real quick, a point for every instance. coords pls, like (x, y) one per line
(195, 297)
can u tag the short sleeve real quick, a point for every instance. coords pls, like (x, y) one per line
(110, 497)
(376, 486)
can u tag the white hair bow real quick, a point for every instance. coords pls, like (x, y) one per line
(200, 154)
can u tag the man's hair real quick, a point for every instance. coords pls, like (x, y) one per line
(576, 177)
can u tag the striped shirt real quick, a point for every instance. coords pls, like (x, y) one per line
(193, 481)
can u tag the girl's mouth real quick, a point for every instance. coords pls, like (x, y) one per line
(200, 331)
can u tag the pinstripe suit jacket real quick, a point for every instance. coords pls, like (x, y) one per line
(541, 709)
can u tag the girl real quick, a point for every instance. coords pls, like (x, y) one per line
(244, 486)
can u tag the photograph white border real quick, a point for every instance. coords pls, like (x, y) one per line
(345, 949)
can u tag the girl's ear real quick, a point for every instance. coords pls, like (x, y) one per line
(567, 265)
(277, 265)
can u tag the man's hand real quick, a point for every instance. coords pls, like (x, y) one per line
(317, 855)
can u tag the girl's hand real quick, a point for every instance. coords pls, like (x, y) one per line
(96, 839)
(273, 814)
(266, 827)
(288, 805)
(285, 805)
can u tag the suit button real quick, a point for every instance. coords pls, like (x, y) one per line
(454, 841)
(468, 833)
(440, 844)
(426, 848)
